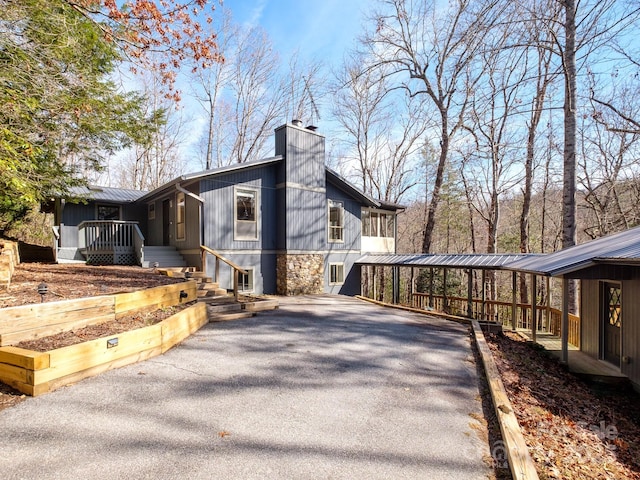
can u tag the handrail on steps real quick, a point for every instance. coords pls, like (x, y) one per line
(204, 250)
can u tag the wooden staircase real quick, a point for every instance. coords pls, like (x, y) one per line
(221, 305)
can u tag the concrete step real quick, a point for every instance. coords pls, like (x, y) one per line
(162, 256)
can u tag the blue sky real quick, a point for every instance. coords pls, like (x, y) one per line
(323, 29)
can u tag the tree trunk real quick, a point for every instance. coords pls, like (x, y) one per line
(569, 181)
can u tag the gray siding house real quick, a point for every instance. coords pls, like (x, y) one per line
(291, 223)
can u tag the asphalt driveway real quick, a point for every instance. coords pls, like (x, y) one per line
(323, 388)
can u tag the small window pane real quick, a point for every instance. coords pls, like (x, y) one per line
(108, 212)
(391, 223)
(336, 273)
(336, 221)
(375, 217)
(246, 206)
(366, 223)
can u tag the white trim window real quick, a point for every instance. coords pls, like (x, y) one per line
(336, 273)
(181, 208)
(378, 224)
(245, 281)
(336, 221)
(245, 214)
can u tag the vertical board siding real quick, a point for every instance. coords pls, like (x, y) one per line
(351, 284)
(218, 214)
(264, 271)
(590, 317)
(304, 153)
(631, 329)
(352, 220)
(306, 220)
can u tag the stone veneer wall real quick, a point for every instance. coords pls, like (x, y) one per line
(299, 274)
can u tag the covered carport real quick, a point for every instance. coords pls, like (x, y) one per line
(469, 263)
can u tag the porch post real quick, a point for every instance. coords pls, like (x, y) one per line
(484, 295)
(235, 284)
(470, 293)
(375, 283)
(534, 314)
(395, 273)
(564, 328)
(431, 287)
(412, 287)
(548, 309)
(445, 307)
(514, 301)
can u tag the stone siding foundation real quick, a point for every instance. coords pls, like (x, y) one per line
(299, 274)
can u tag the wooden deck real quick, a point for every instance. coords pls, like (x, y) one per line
(579, 362)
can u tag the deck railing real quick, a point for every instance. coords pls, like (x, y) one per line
(547, 319)
(109, 241)
(204, 250)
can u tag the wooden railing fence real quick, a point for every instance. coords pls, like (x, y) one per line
(547, 319)
(204, 250)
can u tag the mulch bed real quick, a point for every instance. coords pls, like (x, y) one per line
(70, 281)
(574, 429)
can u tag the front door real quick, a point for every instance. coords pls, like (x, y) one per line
(166, 222)
(612, 321)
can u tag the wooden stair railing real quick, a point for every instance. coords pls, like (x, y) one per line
(204, 250)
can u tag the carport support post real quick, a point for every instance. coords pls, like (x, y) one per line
(514, 302)
(412, 287)
(395, 274)
(534, 314)
(470, 293)
(431, 287)
(445, 307)
(484, 295)
(564, 326)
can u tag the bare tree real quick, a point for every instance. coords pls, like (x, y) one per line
(429, 50)
(383, 130)
(158, 159)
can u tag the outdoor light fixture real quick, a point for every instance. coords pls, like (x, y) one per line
(42, 291)
(112, 342)
(183, 294)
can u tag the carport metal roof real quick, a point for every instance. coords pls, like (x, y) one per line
(482, 261)
(620, 248)
(623, 248)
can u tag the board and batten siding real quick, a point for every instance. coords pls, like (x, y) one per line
(352, 221)
(218, 211)
(590, 317)
(352, 281)
(263, 265)
(303, 220)
(304, 153)
(631, 329)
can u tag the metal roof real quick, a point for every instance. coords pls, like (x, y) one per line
(486, 261)
(619, 248)
(107, 194)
